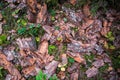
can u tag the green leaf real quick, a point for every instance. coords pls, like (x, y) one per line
(112, 47)
(1, 42)
(41, 76)
(23, 22)
(3, 39)
(22, 31)
(52, 12)
(71, 60)
(111, 38)
(31, 26)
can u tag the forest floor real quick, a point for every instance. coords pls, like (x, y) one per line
(58, 44)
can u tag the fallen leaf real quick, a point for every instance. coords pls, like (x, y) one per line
(64, 59)
(32, 5)
(98, 63)
(10, 67)
(74, 76)
(86, 10)
(87, 23)
(61, 75)
(43, 47)
(30, 70)
(26, 43)
(73, 67)
(77, 57)
(51, 68)
(91, 72)
(42, 15)
(73, 2)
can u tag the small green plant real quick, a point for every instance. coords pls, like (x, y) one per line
(52, 49)
(52, 12)
(75, 29)
(41, 76)
(22, 22)
(103, 68)
(110, 36)
(3, 39)
(22, 31)
(71, 60)
(3, 73)
(54, 77)
(89, 59)
(31, 30)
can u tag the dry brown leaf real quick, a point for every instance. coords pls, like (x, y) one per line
(77, 57)
(73, 67)
(26, 43)
(61, 75)
(9, 66)
(43, 48)
(87, 23)
(73, 2)
(98, 63)
(51, 68)
(29, 71)
(74, 76)
(86, 10)
(32, 5)
(105, 23)
(105, 30)
(64, 59)
(42, 15)
(91, 72)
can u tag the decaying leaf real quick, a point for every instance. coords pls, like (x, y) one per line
(87, 24)
(51, 68)
(26, 43)
(91, 72)
(29, 71)
(61, 75)
(64, 59)
(77, 57)
(42, 15)
(74, 76)
(43, 48)
(10, 67)
(86, 10)
(73, 2)
(73, 67)
(98, 63)
(32, 4)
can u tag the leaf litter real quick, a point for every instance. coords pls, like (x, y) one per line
(82, 35)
